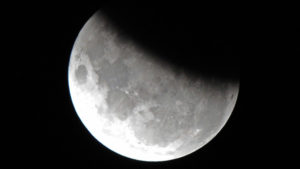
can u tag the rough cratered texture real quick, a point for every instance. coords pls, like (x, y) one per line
(139, 106)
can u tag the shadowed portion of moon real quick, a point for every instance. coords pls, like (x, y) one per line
(140, 103)
(198, 42)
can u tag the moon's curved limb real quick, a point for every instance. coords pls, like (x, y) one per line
(139, 106)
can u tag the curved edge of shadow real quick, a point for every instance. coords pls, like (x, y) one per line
(193, 41)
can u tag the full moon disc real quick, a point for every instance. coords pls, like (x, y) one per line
(139, 106)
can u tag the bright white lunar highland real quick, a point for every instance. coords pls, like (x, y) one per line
(138, 106)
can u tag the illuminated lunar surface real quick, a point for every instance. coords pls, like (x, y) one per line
(138, 106)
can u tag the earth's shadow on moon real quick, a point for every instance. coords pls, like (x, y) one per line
(201, 44)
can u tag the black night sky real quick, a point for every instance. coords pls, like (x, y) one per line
(201, 38)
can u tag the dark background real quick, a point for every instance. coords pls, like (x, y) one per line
(208, 39)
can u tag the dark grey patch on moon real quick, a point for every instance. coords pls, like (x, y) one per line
(95, 51)
(114, 75)
(81, 74)
(231, 97)
(120, 103)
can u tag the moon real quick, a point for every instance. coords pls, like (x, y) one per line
(137, 105)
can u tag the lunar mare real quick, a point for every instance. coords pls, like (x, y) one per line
(138, 106)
